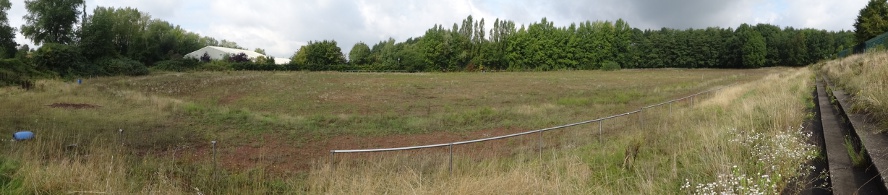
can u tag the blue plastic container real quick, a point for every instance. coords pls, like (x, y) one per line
(23, 135)
(79, 81)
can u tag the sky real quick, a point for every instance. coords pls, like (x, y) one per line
(281, 26)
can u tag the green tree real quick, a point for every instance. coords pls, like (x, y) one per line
(51, 21)
(753, 50)
(7, 33)
(359, 54)
(872, 20)
(322, 53)
(259, 50)
(97, 36)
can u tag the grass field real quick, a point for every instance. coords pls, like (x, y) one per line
(274, 131)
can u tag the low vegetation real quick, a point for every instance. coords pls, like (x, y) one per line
(745, 139)
(865, 77)
(152, 134)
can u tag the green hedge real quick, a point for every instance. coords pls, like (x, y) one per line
(16, 72)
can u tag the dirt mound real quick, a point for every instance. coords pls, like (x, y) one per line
(72, 106)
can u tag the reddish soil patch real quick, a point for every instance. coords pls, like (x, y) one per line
(279, 156)
(229, 99)
(72, 106)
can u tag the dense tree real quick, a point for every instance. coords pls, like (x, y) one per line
(872, 20)
(359, 54)
(51, 21)
(7, 33)
(129, 33)
(753, 50)
(260, 51)
(323, 53)
(98, 36)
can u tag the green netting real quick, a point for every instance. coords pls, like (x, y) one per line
(876, 42)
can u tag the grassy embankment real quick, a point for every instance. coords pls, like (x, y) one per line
(259, 117)
(745, 139)
(865, 77)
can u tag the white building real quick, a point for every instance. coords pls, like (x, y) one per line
(218, 53)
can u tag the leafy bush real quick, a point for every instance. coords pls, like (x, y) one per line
(610, 66)
(179, 65)
(122, 66)
(16, 72)
(216, 65)
(239, 58)
(259, 66)
(62, 59)
(205, 57)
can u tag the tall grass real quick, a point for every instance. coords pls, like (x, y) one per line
(745, 139)
(169, 119)
(865, 77)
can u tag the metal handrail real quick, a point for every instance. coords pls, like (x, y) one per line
(518, 134)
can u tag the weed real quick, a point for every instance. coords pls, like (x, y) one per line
(856, 153)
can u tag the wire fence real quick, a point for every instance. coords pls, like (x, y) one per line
(525, 137)
(875, 42)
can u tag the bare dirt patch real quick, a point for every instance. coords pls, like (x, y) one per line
(278, 155)
(73, 106)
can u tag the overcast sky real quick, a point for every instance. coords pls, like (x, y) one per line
(282, 26)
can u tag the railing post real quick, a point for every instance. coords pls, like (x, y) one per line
(332, 158)
(451, 159)
(541, 146)
(641, 118)
(332, 166)
(599, 130)
(214, 165)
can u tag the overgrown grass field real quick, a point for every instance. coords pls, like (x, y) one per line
(152, 134)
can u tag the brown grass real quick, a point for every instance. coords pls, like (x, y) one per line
(865, 78)
(689, 142)
(169, 119)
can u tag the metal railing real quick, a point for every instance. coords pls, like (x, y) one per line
(538, 131)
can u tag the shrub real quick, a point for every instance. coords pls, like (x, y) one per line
(16, 72)
(610, 66)
(62, 59)
(239, 58)
(205, 57)
(258, 66)
(122, 66)
(216, 65)
(179, 65)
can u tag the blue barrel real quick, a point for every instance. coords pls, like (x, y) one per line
(23, 135)
(79, 81)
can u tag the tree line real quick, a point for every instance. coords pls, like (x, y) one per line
(543, 46)
(126, 41)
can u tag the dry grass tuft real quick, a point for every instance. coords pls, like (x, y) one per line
(865, 77)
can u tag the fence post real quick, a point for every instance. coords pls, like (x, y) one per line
(641, 117)
(214, 165)
(599, 130)
(451, 159)
(332, 167)
(541, 146)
